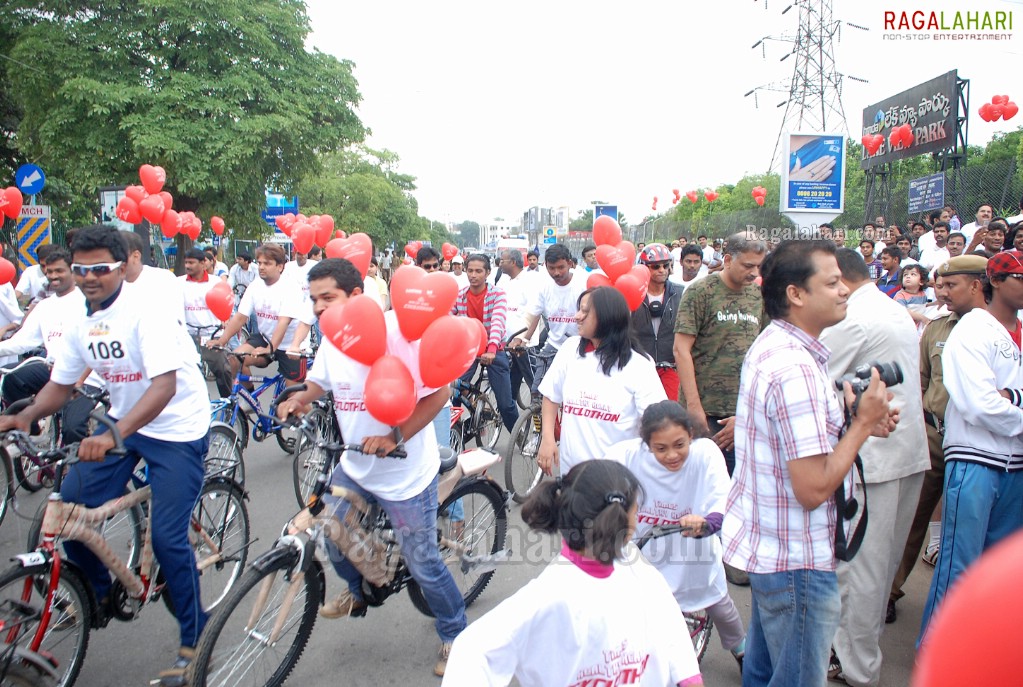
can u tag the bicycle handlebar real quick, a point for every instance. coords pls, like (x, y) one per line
(306, 428)
(658, 531)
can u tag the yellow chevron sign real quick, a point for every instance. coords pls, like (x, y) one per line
(33, 231)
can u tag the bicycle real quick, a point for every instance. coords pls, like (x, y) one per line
(55, 605)
(310, 456)
(523, 358)
(201, 334)
(473, 415)
(229, 411)
(699, 623)
(258, 634)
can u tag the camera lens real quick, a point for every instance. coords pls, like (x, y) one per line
(890, 373)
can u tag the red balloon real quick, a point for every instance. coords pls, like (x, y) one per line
(1009, 110)
(356, 328)
(481, 332)
(711, 196)
(448, 251)
(170, 225)
(11, 201)
(999, 99)
(449, 346)
(907, 135)
(676, 192)
(985, 112)
(285, 222)
(951, 656)
(996, 112)
(327, 220)
(168, 199)
(692, 196)
(654, 205)
(356, 249)
(597, 279)
(895, 138)
(339, 234)
(152, 208)
(303, 236)
(419, 298)
(217, 225)
(633, 289)
(606, 231)
(390, 391)
(153, 178)
(128, 211)
(616, 260)
(760, 201)
(220, 301)
(136, 193)
(411, 250)
(194, 228)
(324, 230)
(7, 271)
(641, 272)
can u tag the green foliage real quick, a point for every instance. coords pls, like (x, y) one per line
(584, 222)
(469, 234)
(223, 95)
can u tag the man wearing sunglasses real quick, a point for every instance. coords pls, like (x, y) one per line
(160, 404)
(654, 321)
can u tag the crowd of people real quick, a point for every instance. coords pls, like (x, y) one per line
(713, 405)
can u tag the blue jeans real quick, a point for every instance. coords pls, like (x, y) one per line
(176, 475)
(795, 617)
(982, 506)
(415, 524)
(499, 375)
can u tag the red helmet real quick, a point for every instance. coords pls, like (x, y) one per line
(655, 252)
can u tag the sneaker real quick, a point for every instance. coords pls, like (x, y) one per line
(343, 605)
(442, 659)
(176, 675)
(736, 576)
(930, 555)
(739, 653)
(890, 614)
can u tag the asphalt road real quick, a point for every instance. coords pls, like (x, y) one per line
(393, 644)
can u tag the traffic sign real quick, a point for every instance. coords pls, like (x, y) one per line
(550, 232)
(605, 210)
(33, 231)
(549, 240)
(29, 179)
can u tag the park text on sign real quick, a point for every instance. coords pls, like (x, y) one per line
(33, 231)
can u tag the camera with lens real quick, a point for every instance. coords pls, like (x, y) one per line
(859, 379)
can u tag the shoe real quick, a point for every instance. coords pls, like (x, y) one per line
(176, 675)
(343, 605)
(890, 614)
(739, 653)
(736, 576)
(930, 555)
(64, 616)
(835, 669)
(442, 659)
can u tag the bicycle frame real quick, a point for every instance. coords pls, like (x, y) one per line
(240, 393)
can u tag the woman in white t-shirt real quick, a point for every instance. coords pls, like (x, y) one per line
(684, 481)
(601, 381)
(599, 610)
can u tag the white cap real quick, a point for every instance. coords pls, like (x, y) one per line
(457, 258)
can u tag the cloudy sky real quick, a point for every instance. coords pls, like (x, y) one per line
(499, 107)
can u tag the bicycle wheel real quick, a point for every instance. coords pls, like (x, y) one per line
(240, 424)
(224, 456)
(287, 437)
(521, 471)
(220, 538)
(700, 628)
(5, 488)
(523, 396)
(261, 629)
(122, 532)
(24, 675)
(482, 532)
(487, 422)
(22, 598)
(309, 458)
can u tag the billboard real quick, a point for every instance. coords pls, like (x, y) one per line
(813, 180)
(930, 109)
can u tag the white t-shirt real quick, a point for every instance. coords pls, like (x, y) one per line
(676, 276)
(598, 410)
(10, 313)
(300, 274)
(158, 289)
(463, 279)
(559, 304)
(32, 282)
(46, 325)
(390, 479)
(691, 566)
(244, 277)
(268, 303)
(932, 257)
(521, 292)
(568, 628)
(197, 313)
(708, 255)
(128, 344)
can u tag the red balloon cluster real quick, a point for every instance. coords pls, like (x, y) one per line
(356, 249)
(305, 232)
(759, 193)
(678, 196)
(11, 201)
(901, 136)
(693, 196)
(448, 251)
(872, 143)
(617, 258)
(411, 248)
(654, 206)
(151, 203)
(711, 196)
(1000, 107)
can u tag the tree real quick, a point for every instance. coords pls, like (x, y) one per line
(469, 233)
(223, 95)
(584, 222)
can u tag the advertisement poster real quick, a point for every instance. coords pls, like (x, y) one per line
(813, 180)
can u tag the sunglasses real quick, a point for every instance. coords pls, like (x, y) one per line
(430, 265)
(100, 269)
(659, 265)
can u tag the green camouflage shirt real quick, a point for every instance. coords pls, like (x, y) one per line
(725, 324)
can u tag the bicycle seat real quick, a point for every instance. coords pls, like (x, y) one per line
(448, 460)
